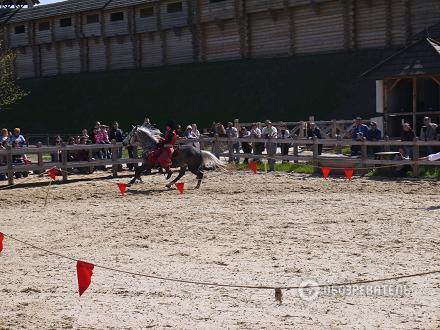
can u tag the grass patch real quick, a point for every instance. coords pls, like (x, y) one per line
(283, 167)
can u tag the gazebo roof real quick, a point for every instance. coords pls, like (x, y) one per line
(420, 58)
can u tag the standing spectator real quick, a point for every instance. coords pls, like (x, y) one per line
(270, 132)
(188, 133)
(258, 147)
(374, 134)
(94, 131)
(56, 156)
(180, 133)
(428, 132)
(246, 146)
(5, 135)
(358, 133)
(118, 135)
(232, 133)
(85, 133)
(314, 132)
(407, 135)
(220, 130)
(284, 134)
(3, 159)
(17, 137)
(196, 134)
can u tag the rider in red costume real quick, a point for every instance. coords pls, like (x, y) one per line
(163, 154)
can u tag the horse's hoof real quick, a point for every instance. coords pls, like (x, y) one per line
(168, 186)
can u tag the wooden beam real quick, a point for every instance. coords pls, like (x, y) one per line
(395, 84)
(414, 110)
(436, 80)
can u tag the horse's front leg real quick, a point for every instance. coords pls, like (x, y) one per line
(182, 172)
(138, 172)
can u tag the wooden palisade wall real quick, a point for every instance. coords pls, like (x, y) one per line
(147, 33)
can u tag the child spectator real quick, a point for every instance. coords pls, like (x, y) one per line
(4, 135)
(17, 137)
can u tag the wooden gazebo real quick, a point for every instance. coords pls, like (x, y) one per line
(408, 85)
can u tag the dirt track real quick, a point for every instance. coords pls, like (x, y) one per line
(274, 229)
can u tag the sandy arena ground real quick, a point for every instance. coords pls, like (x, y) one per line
(275, 229)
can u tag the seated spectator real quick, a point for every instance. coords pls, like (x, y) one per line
(245, 146)
(407, 135)
(314, 132)
(374, 134)
(3, 160)
(358, 133)
(16, 136)
(4, 135)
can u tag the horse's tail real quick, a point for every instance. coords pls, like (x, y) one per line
(210, 162)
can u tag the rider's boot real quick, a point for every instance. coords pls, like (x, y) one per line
(168, 171)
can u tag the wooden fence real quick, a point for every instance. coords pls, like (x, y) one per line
(222, 147)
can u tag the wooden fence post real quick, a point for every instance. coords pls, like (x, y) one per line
(315, 151)
(387, 139)
(334, 129)
(215, 146)
(338, 148)
(416, 155)
(64, 162)
(40, 159)
(114, 159)
(295, 147)
(230, 150)
(301, 129)
(10, 166)
(364, 152)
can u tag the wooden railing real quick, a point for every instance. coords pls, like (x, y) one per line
(222, 147)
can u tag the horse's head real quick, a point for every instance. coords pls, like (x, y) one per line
(131, 138)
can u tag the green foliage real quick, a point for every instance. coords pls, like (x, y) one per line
(282, 167)
(10, 92)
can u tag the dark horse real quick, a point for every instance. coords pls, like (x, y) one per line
(185, 157)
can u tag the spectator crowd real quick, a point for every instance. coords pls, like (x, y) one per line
(103, 135)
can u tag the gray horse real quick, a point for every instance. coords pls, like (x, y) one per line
(185, 157)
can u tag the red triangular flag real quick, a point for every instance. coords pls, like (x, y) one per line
(52, 173)
(122, 188)
(84, 271)
(325, 172)
(253, 167)
(180, 186)
(1, 241)
(348, 173)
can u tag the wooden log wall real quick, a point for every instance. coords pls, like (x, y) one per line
(205, 31)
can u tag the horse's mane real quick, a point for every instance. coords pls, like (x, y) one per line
(150, 133)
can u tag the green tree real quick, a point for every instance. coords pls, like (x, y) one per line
(10, 92)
